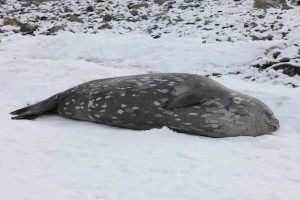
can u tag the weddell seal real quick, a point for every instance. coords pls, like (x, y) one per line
(185, 103)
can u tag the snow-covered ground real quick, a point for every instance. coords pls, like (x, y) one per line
(58, 158)
(52, 157)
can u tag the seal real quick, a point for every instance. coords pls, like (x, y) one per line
(185, 103)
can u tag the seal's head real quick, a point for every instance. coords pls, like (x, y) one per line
(267, 122)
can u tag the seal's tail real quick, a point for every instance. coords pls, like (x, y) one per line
(35, 110)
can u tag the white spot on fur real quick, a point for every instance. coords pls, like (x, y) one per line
(214, 126)
(158, 115)
(163, 100)
(97, 115)
(156, 103)
(120, 112)
(238, 100)
(123, 105)
(169, 112)
(163, 90)
(67, 103)
(91, 104)
(193, 114)
(171, 83)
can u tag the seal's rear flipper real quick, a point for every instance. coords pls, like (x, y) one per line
(35, 110)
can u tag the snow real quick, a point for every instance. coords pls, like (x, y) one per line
(58, 158)
(53, 157)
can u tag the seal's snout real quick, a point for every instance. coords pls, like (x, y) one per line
(274, 124)
(269, 122)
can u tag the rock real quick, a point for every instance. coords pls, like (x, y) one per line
(74, 18)
(119, 17)
(144, 17)
(163, 17)
(151, 28)
(295, 2)
(36, 1)
(55, 29)
(134, 12)
(107, 18)
(43, 18)
(160, 2)
(105, 26)
(288, 68)
(217, 74)
(250, 25)
(261, 16)
(264, 65)
(11, 22)
(27, 29)
(186, 6)
(207, 22)
(67, 9)
(265, 4)
(276, 54)
(137, 5)
(132, 19)
(99, 11)
(255, 38)
(2, 1)
(90, 9)
(285, 60)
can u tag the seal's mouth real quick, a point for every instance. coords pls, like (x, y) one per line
(268, 123)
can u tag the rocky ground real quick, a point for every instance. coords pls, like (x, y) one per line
(221, 21)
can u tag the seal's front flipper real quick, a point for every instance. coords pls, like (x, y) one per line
(35, 110)
(188, 99)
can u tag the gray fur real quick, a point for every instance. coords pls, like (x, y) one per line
(183, 102)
